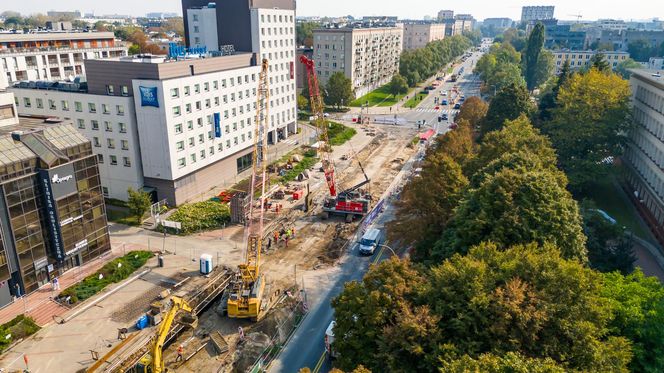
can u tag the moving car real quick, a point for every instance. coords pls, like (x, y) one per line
(444, 102)
(329, 339)
(444, 117)
(457, 106)
(370, 241)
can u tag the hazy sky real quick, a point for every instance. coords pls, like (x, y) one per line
(565, 9)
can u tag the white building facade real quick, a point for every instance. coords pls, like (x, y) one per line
(581, 59)
(202, 24)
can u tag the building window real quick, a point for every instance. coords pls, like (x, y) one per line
(104, 190)
(124, 144)
(126, 161)
(179, 146)
(192, 142)
(198, 105)
(100, 158)
(197, 88)
(190, 124)
(105, 109)
(114, 160)
(215, 84)
(124, 90)
(244, 163)
(78, 106)
(201, 138)
(81, 123)
(40, 103)
(95, 125)
(186, 90)
(202, 154)
(211, 151)
(123, 127)
(195, 17)
(176, 111)
(200, 122)
(206, 87)
(216, 101)
(120, 109)
(108, 126)
(95, 142)
(178, 128)
(110, 90)
(111, 143)
(92, 108)
(187, 108)
(175, 92)
(192, 157)
(26, 102)
(196, 29)
(182, 163)
(51, 105)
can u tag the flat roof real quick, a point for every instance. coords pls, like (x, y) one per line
(651, 76)
(54, 35)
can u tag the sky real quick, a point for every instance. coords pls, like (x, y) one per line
(411, 9)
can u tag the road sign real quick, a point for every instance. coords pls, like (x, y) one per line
(171, 224)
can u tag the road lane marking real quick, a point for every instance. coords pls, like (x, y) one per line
(319, 364)
(380, 253)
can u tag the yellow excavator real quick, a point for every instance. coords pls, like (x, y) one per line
(153, 362)
(246, 289)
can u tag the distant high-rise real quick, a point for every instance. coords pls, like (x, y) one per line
(446, 14)
(535, 13)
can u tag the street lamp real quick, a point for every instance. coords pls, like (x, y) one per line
(389, 248)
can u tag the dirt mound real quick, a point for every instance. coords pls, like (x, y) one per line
(250, 350)
(339, 241)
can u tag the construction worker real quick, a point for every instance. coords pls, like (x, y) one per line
(180, 352)
(293, 231)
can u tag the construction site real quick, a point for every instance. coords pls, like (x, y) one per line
(236, 313)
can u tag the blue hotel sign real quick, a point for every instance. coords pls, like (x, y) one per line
(149, 96)
(175, 50)
(217, 125)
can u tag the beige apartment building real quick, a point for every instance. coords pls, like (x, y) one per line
(418, 35)
(581, 59)
(368, 56)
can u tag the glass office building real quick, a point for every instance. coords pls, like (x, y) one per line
(52, 214)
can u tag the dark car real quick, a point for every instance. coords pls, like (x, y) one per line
(444, 116)
(439, 78)
(444, 102)
(457, 106)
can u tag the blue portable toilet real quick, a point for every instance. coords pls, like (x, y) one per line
(206, 264)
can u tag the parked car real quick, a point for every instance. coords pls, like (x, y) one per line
(444, 116)
(444, 102)
(369, 242)
(457, 106)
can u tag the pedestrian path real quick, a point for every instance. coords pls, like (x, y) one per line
(39, 304)
(289, 141)
(434, 110)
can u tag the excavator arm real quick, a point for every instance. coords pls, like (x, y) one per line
(157, 350)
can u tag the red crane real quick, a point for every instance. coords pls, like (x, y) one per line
(350, 202)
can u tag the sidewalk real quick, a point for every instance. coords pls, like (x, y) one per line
(39, 304)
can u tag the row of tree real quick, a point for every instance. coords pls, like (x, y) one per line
(419, 64)
(505, 65)
(501, 278)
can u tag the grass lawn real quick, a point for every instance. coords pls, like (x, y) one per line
(414, 101)
(609, 197)
(121, 216)
(379, 97)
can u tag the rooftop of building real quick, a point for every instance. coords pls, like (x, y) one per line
(40, 34)
(587, 51)
(38, 137)
(357, 26)
(653, 77)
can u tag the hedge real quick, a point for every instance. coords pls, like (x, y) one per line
(19, 327)
(339, 134)
(201, 216)
(114, 271)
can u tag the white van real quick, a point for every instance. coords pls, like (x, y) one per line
(370, 241)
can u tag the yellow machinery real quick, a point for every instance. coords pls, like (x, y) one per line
(154, 361)
(246, 289)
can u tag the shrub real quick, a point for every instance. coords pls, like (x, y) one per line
(201, 216)
(307, 162)
(19, 327)
(114, 271)
(339, 134)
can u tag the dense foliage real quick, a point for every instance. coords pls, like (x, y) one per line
(201, 216)
(609, 245)
(419, 64)
(139, 202)
(114, 271)
(510, 103)
(17, 328)
(338, 90)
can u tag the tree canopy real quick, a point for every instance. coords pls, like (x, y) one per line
(589, 125)
(421, 63)
(531, 57)
(398, 85)
(339, 90)
(510, 103)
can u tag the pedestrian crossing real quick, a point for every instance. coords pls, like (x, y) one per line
(289, 141)
(433, 110)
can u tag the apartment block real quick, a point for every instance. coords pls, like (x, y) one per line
(368, 56)
(418, 35)
(52, 214)
(580, 59)
(51, 55)
(535, 13)
(176, 128)
(645, 152)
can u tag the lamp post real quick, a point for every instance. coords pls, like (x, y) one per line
(389, 248)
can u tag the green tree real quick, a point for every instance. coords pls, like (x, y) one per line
(624, 66)
(531, 57)
(516, 207)
(641, 50)
(304, 32)
(589, 126)
(427, 203)
(398, 85)
(302, 103)
(372, 315)
(516, 135)
(511, 362)
(637, 303)
(139, 202)
(473, 110)
(549, 99)
(339, 90)
(525, 299)
(510, 103)
(599, 63)
(609, 246)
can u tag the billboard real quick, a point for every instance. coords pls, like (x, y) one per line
(56, 183)
(149, 96)
(217, 125)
